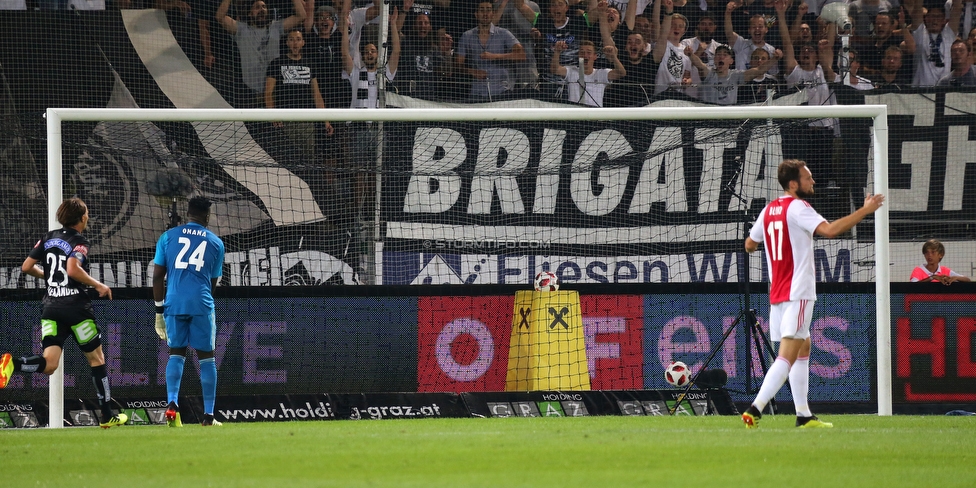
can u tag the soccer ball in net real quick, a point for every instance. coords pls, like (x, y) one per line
(546, 281)
(677, 373)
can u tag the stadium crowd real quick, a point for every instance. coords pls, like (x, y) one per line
(739, 52)
(600, 53)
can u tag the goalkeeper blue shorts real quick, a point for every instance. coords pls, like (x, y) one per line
(196, 331)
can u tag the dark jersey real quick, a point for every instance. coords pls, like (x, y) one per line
(325, 56)
(572, 32)
(53, 252)
(636, 88)
(293, 82)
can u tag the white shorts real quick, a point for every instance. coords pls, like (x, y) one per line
(790, 320)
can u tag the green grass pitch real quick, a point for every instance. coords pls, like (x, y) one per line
(862, 450)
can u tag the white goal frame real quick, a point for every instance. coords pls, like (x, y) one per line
(879, 136)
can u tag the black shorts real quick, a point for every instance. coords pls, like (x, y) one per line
(58, 323)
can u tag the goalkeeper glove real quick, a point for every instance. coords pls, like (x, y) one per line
(160, 323)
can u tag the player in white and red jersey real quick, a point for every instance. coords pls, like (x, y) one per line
(786, 228)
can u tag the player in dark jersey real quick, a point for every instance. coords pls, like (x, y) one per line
(60, 258)
(190, 259)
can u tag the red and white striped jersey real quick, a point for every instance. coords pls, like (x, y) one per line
(785, 227)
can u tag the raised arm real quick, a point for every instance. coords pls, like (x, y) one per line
(801, 10)
(606, 37)
(526, 11)
(916, 11)
(309, 16)
(757, 71)
(298, 18)
(955, 14)
(825, 50)
(554, 66)
(661, 46)
(269, 86)
(729, 29)
(833, 229)
(226, 20)
(630, 15)
(908, 40)
(394, 58)
(407, 7)
(788, 52)
(347, 64)
(618, 71)
(703, 70)
(180, 5)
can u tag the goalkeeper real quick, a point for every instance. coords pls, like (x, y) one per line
(190, 259)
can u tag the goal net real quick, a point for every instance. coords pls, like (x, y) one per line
(471, 196)
(461, 196)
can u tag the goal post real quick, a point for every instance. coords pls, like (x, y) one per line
(879, 150)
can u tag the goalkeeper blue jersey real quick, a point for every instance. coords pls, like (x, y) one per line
(192, 255)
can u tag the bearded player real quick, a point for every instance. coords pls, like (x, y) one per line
(786, 228)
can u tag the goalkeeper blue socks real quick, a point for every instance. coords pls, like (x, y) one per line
(174, 375)
(208, 380)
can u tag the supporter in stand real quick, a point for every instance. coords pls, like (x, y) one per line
(447, 81)
(418, 43)
(863, 14)
(971, 40)
(292, 82)
(486, 52)
(508, 15)
(258, 42)
(644, 27)
(675, 70)
(857, 81)
(324, 51)
(811, 72)
(743, 47)
(761, 88)
(893, 73)
(873, 48)
(694, 10)
(967, 19)
(364, 80)
(766, 9)
(613, 20)
(720, 85)
(560, 24)
(589, 89)
(803, 33)
(703, 44)
(962, 73)
(637, 85)
(935, 29)
(932, 271)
